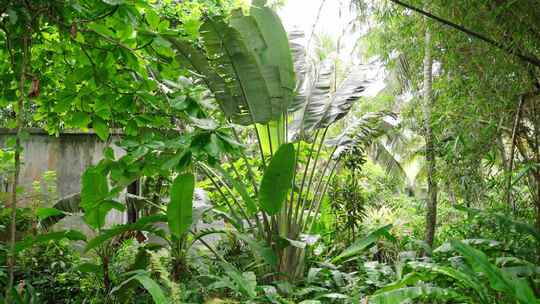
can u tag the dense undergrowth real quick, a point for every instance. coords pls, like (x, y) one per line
(255, 165)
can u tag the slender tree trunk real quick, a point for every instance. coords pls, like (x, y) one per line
(431, 215)
(536, 152)
(515, 127)
(106, 277)
(19, 112)
(538, 209)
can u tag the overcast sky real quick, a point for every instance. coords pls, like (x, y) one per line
(302, 14)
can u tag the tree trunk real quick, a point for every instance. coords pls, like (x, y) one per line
(19, 112)
(538, 211)
(431, 215)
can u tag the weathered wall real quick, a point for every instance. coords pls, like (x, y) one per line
(68, 155)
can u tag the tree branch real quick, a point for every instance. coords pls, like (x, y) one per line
(525, 57)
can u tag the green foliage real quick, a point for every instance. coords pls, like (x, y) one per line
(30, 241)
(415, 293)
(51, 269)
(239, 51)
(277, 179)
(95, 198)
(364, 243)
(23, 221)
(180, 208)
(514, 288)
(202, 86)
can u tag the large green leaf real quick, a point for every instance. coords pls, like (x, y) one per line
(143, 277)
(361, 131)
(245, 283)
(364, 243)
(195, 59)
(246, 64)
(44, 213)
(260, 249)
(498, 279)
(68, 204)
(233, 60)
(348, 92)
(268, 40)
(277, 179)
(298, 51)
(96, 215)
(410, 279)
(180, 208)
(460, 276)
(94, 187)
(402, 295)
(95, 198)
(153, 288)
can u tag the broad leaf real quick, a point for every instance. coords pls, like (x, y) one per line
(95, 190)
(498, 279)
(403, 295)
(233, 60)
(43, 213)
(364, 243)
(267, 39)
(95, 216)
(244, 282)
(318, 106)
(298, 50)
(153, 288)
(246, 64)
(462, 277)
(101, 128)
(312, 100)
(346, 94)
(277, 180)
(260, 249)
(180, 208)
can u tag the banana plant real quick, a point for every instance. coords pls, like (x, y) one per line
(247, 63)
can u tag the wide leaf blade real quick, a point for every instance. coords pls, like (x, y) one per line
(277, 179)
(180, 208)
(153, 288)
(233, 60)
(364, 243)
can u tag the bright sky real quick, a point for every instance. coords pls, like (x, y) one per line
(302, 14)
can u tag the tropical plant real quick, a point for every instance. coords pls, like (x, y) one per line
(475, 274)
(247, 64)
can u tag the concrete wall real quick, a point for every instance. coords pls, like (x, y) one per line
(68, 155)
